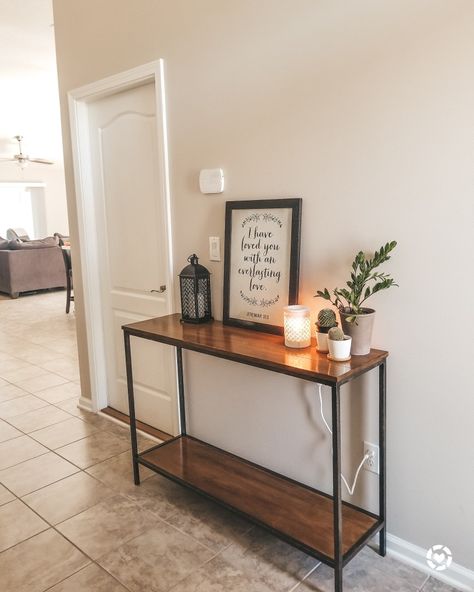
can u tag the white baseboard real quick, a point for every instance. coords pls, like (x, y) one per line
(85, 403)
(122, 424)
(456, 575)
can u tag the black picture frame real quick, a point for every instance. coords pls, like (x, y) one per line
(254, 220)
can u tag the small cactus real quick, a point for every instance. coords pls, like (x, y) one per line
(336, 334)
(327, 318)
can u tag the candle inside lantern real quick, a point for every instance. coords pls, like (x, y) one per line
(297, 326)
(201, 301)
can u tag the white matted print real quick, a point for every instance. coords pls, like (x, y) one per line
(261, 262)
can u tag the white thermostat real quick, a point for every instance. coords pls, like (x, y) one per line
(211, 181)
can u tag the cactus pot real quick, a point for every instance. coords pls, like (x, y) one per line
(322, 338)
(322, 342)
(340, 350)
(360, 330)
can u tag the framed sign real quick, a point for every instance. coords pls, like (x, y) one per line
(261, 263)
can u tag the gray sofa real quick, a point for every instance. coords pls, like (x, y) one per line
(30, 265)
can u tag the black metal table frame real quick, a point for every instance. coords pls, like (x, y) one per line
(340, 559)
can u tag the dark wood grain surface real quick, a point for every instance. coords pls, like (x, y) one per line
(288, 507)
(254, 348)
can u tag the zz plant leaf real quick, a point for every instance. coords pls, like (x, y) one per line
(364, 282)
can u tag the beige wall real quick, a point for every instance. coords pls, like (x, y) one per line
(366, 111)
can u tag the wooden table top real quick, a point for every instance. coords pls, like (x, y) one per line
(254, 348)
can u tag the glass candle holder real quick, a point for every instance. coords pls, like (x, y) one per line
(297, 326)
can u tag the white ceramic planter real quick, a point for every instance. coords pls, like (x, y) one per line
(340, 350)
(322, 342)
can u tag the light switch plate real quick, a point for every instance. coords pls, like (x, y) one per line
(214, 248)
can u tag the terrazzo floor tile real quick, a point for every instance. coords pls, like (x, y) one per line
(261, 556)
(71, 406)
(5, 495)
(37, 354)
(56, 394)
(63, 367)
(90, 579)
(219, 576)
(182, 508)
(11, 391)
(45, 560)
(369, 559)
(65, 432)
(23, 372)
(433, 585)
(210, 524)
(9, 409)
(98, 420)
(9, 364)
(18, 450)
(17, 523)
(156, 559)
(67, 498)
(155, 493)
(38, 472)
(358, 577)
(39, 383)
(93, 449)
(117, 472)
(38, 418)
(8, 432)
(123, 431)
(107, 525)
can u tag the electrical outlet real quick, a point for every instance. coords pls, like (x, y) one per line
(372, 464)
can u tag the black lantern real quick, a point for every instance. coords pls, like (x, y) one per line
(195, 285)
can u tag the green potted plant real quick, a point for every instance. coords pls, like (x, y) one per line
(339, 345)
(326, 320)
(356, 319)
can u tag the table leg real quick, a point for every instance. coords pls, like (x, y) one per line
(336, 480)
(383, 455)
(181, 397)
(131, 409)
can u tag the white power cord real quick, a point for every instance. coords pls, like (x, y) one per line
(366, 456)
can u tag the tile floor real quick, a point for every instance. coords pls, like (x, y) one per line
(71, 520)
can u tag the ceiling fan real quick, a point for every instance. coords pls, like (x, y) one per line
(23, 159)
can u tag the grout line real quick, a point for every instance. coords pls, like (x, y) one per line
(54, 527)
(424, 584)
(115, 578)
(32, 377)
(48, 526)
(189, 535)
(313, 569)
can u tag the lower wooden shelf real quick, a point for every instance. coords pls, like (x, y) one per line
(296, 513)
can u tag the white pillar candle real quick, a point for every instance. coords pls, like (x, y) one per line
(297, 326)
(201, 305)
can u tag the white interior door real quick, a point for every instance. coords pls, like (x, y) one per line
(133, 248)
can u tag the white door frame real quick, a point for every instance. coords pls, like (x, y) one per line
(79, 100)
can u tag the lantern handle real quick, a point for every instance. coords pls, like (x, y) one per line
(160, 291)
(193, 259)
